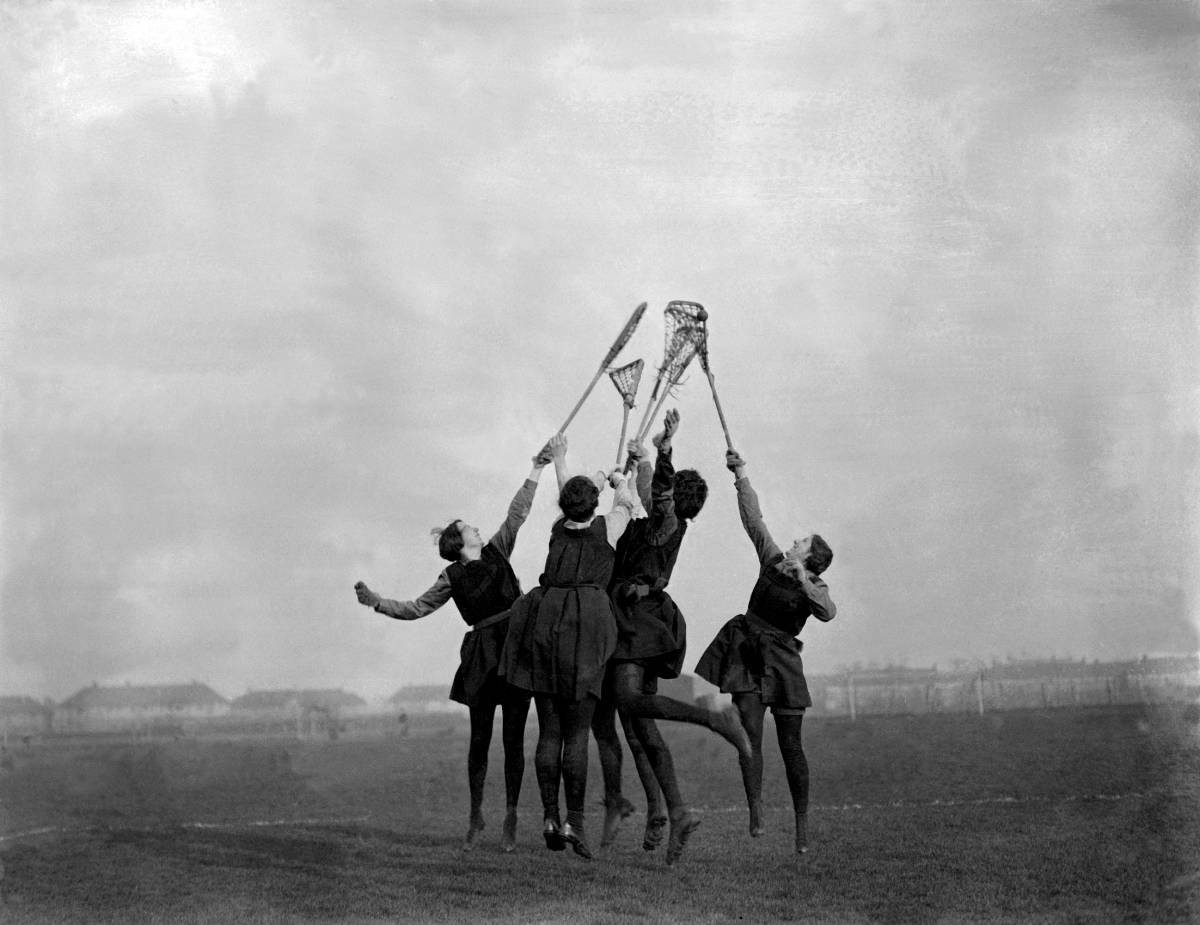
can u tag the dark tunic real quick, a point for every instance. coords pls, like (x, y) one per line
(757, 651)
(562, 633)
(651, 629)
(481, 589)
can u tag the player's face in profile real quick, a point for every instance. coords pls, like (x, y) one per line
(470, 535)
(800, 549)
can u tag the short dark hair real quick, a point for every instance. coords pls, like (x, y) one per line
(450, 542)
(578, 498)
(819, 555)
(691, 491)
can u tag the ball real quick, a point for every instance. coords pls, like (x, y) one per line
(701, 314)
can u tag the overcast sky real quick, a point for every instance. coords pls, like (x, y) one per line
(287, 284)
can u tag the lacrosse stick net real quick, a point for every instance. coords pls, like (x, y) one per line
(682, 330)
(627, 379)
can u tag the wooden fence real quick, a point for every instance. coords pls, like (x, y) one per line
(855, 695)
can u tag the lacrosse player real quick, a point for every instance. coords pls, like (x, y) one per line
(561, 635)
(652, 638)
(756, 657)
(482, 584)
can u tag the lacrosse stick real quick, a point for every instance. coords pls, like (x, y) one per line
(679, 336)
(626, 379)
(682, 333)
(679, 363)
(621, 341)
(701, 318)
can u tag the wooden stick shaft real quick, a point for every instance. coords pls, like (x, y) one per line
(645, 428)
(716, 401)
(583, 398)
(624, 427)
(618, 344)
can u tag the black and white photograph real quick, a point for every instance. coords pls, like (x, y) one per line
(618, 463)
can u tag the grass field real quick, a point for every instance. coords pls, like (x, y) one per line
(1088, 815)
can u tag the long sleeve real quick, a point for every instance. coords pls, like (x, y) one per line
(822, 605)
(518, 510)
(663, 519)
(423, 606)
(616, 520)
(752, 520)
(645, 484)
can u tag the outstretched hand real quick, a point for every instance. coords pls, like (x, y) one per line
(365, 595)
(558, 446)
(635, 450)
(670, 425)
(544, 456)
(734, 461)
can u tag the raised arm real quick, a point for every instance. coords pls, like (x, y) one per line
(750, 512)
(558, 450)
(617, 519)
(422, 606)
(662, 486)
(644, 474)
(518, 509)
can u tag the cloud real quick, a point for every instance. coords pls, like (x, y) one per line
(293, 285)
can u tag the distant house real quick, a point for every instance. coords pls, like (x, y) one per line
(24, 715)
(279, 703)
(306, 712)
(425, 698)
(99, 707)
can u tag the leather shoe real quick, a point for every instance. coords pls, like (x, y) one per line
(553, 835)
(575, 838)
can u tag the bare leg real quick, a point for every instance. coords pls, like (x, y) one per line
(788, 729)
(482, 716)
(547, 763)
(515, 710)
(751, 709)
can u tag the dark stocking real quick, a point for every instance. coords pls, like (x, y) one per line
(644, 769)
(515, 706)
(796, 765)
(628, 679)
(658, 755)
(576, 720)
(604, 728)
(547, 760)
(751, 709)
(481, 718)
